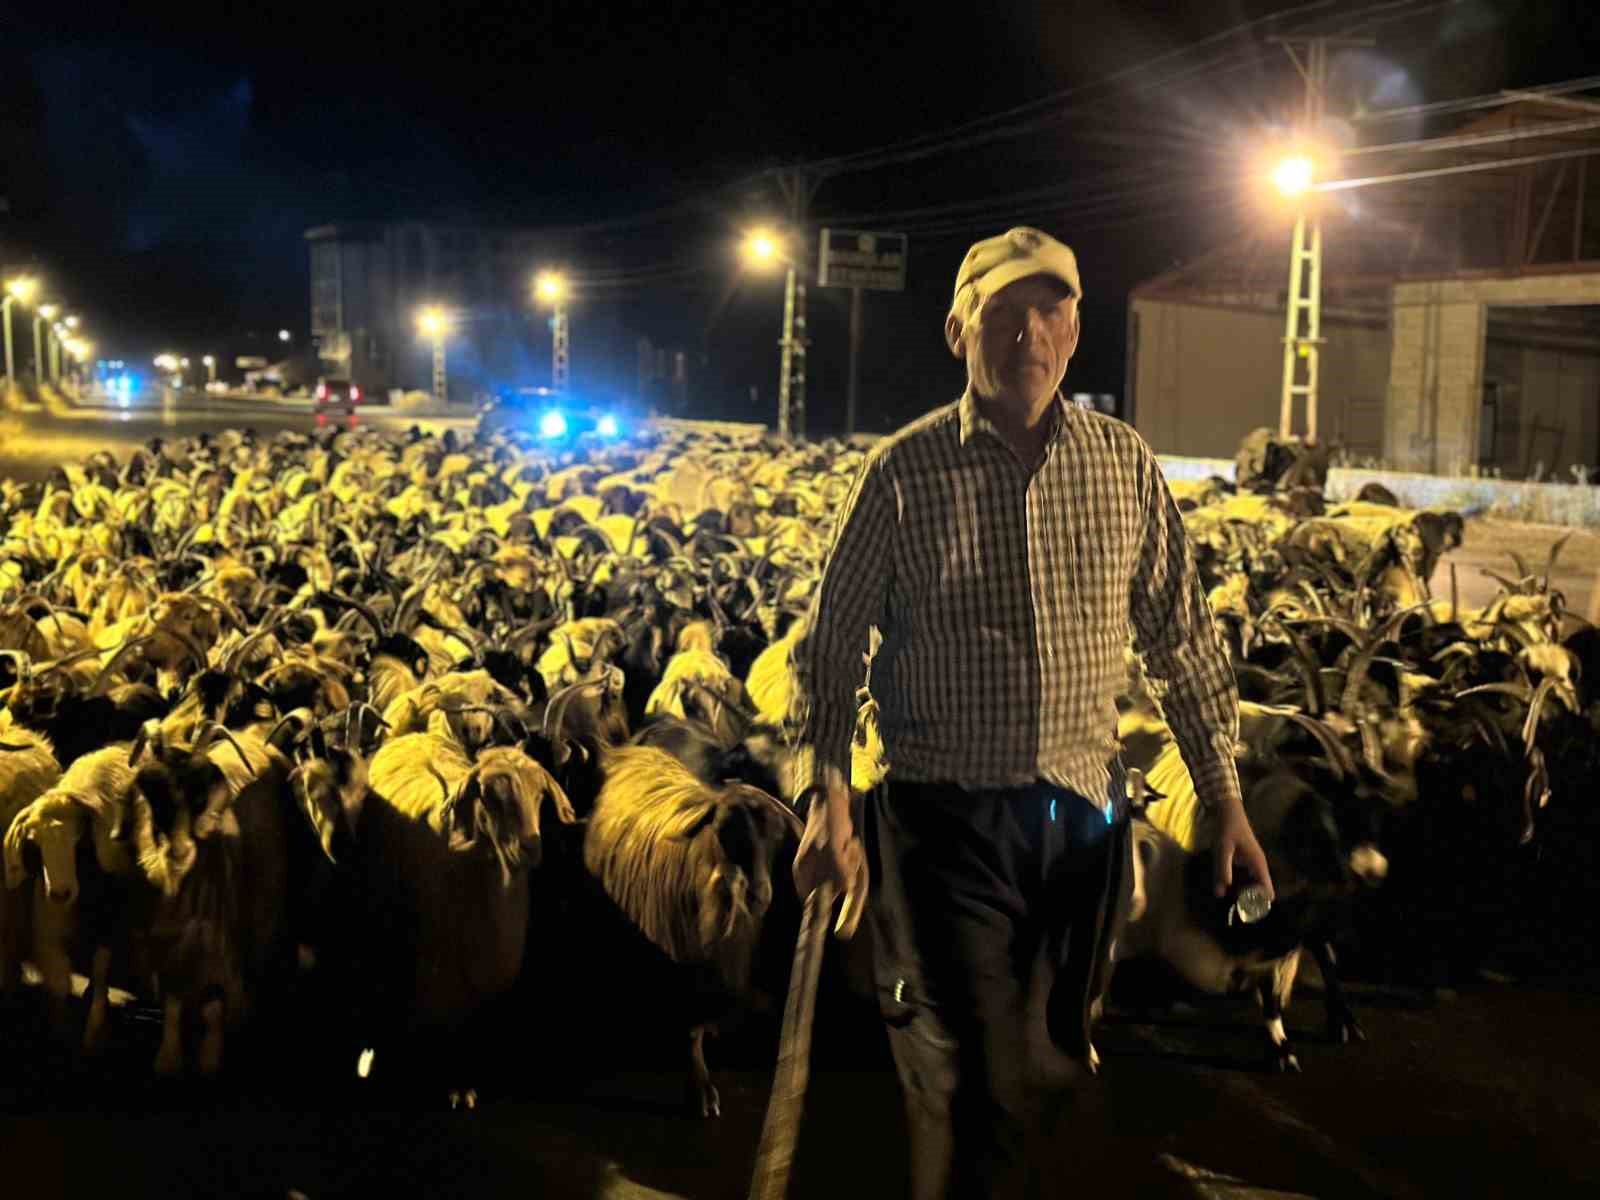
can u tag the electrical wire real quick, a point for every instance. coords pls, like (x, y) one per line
(1498, 164)
(1441, 108)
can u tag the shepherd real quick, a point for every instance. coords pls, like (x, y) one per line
(1006, 547)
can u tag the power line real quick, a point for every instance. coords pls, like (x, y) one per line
(1441, 108)
(1499, 164)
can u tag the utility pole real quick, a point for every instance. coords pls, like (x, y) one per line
(1302, 335)
(798, 188)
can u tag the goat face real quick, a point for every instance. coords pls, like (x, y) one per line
(330, 793)
(45, 844)
(174, 806)
(498, 807)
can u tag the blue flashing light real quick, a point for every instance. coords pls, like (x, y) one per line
(553, 424)
(607, 426)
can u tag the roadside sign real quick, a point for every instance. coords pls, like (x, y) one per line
(853, 258)
(249, 362)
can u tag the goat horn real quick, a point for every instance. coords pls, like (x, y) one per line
(557, 705)
(787, 814)
(211, 734)
(1350, 701)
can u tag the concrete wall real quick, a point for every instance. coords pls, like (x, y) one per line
(1542, 503)
(1436, 370)
(1203, 376)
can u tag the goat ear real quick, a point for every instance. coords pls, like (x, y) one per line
(15, 872)
(464, 814)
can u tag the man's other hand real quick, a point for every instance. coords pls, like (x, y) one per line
(1238, 851)
(830, 850)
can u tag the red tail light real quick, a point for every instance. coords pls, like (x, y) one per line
(355, 392)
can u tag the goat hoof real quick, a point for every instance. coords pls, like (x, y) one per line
(169, 1062)
(1285, 1061)
(710, 1101)
(1343, 1031)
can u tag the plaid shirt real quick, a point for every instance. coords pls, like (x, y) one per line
(1005, 602)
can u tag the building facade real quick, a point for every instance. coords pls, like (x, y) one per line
(1460, 313)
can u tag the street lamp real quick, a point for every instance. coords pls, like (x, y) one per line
(434, 323)
(762, 249)
(284, 335)
(19, 290)
(551, 288)
(211, 368)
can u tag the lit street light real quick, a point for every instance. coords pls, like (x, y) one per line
(434, 323)
(20, 291)
(763, 250)
(211, 368)
(1293, 175)
(551, 288)
(284, 335)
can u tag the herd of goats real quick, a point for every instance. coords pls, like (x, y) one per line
(345, 721)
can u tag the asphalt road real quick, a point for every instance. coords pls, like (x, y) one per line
(1493, 1092)
(35, 437)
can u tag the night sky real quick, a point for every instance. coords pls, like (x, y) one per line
(162, 167)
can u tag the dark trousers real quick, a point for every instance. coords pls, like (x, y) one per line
(976, 899)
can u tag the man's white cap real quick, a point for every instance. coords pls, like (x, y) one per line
(1015, 254)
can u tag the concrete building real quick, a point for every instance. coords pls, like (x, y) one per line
(1460, 314)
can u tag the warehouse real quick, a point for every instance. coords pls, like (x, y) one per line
(1460, 310)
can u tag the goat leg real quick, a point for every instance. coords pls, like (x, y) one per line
(94, 1029)
(705, 1092)
(1274, 993)
(212, 1014)
(169, 1058)
(1343, 1027)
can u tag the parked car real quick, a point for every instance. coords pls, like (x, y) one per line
(335, 395)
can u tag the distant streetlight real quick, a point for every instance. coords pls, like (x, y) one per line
(70, 322)
(284, 335)
(18, 291)
(552, 289)
(52, 339)
(434, 324)
(211, 368)
(762, 249)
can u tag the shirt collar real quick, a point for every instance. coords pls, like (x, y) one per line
(974, 422)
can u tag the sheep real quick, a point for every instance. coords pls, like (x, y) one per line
(209, 835)
(445, 849)
(690, 867)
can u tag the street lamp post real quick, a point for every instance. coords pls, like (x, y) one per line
(19, 290)
(433, 323)
(1302, 334)
(551, 288)
(211, 368)
(47, 312)
(763, 249)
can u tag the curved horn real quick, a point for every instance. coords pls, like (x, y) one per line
(211, 734)
(557, 706)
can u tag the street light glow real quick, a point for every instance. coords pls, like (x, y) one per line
(432, 322)
(1293, 175)
(70, 322)
(760, 247)
(22, 288)
(551, 287)
(283, 335)
(209, 360)
(49, 311)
